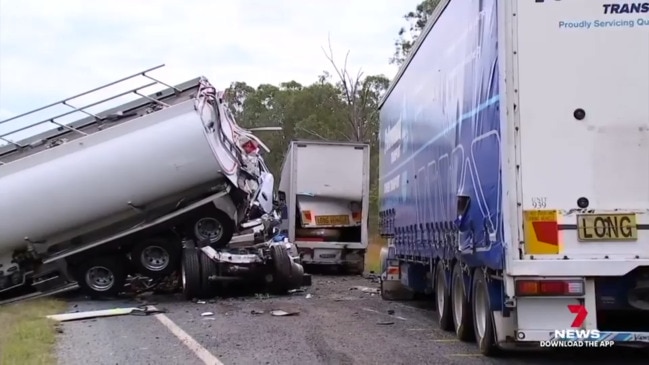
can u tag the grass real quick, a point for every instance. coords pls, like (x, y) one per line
(372, 260)
(26, 336)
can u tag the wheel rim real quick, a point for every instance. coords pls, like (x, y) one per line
(155, 258)
(458, 299)
(208, 227)
(480, 311)
(100, 278)
(440, 293)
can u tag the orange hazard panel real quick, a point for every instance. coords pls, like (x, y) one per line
(541, 232)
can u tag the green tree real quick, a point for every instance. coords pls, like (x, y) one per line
(417, 20)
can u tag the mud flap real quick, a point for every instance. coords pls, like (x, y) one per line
(391, 286)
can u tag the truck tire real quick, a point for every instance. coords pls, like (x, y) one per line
(442, 299)
(483, 325)
(208, 268)
(191, 273)
(103, 276)
(358, 268)
(156, 257)
(462, 311)
(216, 225)
(282, 269)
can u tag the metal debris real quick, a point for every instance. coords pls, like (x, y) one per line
(281, 313)
(373, 277)
(384, 323)
(338, 298)
(65, 317)
(207, 314)
(365, 289)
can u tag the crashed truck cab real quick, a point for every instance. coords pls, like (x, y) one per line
(263, 258)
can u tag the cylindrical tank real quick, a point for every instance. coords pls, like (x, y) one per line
(96, 176)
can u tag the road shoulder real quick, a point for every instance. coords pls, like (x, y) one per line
(119, 340)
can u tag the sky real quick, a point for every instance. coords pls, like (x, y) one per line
(50, 50)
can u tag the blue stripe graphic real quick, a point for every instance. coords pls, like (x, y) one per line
(464, 117)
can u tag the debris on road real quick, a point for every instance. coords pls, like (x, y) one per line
(200, 302)
(293, 291)
(281, 313)
(342, 298)
(365, 289)
(384, 323)
(308, 296)
(256, 312)
(373, 277)
(390, 311)
(65, 317)
(207, 314)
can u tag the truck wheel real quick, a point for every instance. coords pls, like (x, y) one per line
(283, 270)
(357, 268)
(216, 226)
(102, 276)
(443, 299)
(191, 273)
(462, 312)
(482, 317)
(208, 268)
(156, 257)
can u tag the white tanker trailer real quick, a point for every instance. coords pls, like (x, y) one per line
(113, 194)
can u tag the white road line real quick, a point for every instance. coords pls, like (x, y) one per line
(375, 311)
(198, 350)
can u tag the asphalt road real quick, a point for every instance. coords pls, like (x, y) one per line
(335, 325)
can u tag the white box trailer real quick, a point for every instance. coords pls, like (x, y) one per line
(515, 171)
(326, 189)
(93, 200)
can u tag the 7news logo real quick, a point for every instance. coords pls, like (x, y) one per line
(576, 336)
(576, 333)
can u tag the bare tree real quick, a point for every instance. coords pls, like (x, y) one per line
(361, 95)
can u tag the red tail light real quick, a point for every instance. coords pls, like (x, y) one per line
(535, 288)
